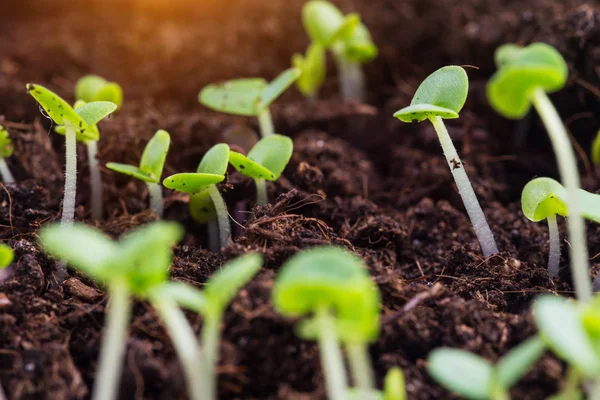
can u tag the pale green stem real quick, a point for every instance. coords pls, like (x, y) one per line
(554, 253)
(68, 213)
(186, 346)
(567, 166)
(213, 236)
(350, 77)
(156, 197)
(331, 356)
(362, 370)
(113, 343)
(265, 123)
(222, 215)
(95, 179)
(595, 390)
(211, 335)
(262, 199)
(7, 177)
(482, 229)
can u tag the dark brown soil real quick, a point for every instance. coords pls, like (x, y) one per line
(358, 179)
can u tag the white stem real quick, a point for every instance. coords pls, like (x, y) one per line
(213, 236)
(482, 229)
(113, 343)
(95, 179)
(262, 199)
(156, 197)
(350, 77)
(265, 123)
(68, 213)
(7, 177)
(211, 334)
(567, 166)
(331, 357)
(222, 215)
(186, 346)
(554, 254)
(362, 370)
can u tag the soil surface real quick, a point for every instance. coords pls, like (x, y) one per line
(358, 179)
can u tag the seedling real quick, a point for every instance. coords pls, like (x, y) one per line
(332, 289)
(95, 88)
(249, 96)
(6, 150)
(545, 198)
(348, 39)
(6, 255)
(472, 377)
(441, 96)
(211, 170)
(211, 303)
(264, 162)
(523, 78)
(596, 149)
(78, 123)
(150, 169)
(313, 70)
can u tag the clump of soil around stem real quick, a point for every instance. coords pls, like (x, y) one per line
(358, 179)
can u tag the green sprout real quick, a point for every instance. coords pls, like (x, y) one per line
(394, 388)
(78, 124)
(472, 377)
(150, 169)
(95, 88)
(211, 170)
(249, 96)
(6, 255)
(545, 198)
(332, 289)
(596, 149)
(211, 303)
(523, 78)
(441, 96)
(313, 70)
(264, 162)
(348, 39)
(6, 150)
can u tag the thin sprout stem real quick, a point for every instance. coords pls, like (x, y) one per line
(213, 236)
(362, 370)
(95, 179)
(186, 346)
(222, 215)
(156, 197)
(482, 229)
(262, 199)
(331, 356)
(567, 166)
(595, 390)
(5, 173)
(350, 77)
(113, 343)
(554, 256)
(265, 123)
(211, 335)
(68, 213)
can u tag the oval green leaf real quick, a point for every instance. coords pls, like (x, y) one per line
(514, 365)
(359, 47)
(277, 87)
(542, 197)
(313, 70)
(238, 97)
(6, 144)
(155, 154)
(184, 295)
(191, 182)
(461, 372)
(321, 20)
(215, 161)
(130, 170)
(6, 255)
(560, 325)
(95, 88)
(442, 94)
(520, 72)
(202, 208)
(250, 168)
(272, 153)
(394, 385)
(56, 107)
(589, 204)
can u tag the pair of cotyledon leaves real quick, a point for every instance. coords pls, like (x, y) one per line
(543, 197)
(520, 71)
(95, 88)
(333, 278)
(142, 259)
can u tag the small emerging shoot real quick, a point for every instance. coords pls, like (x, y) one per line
(441, 96)
(95, 88)
(524, 77)
(313, 70)
(348, 39)
(249, 96)
(472, 377)
(6, 255)
(264, 162)
(202, 185)
(6, 150)
(150, 168)
(333, 291)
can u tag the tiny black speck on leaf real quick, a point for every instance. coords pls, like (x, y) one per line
(242, 166)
